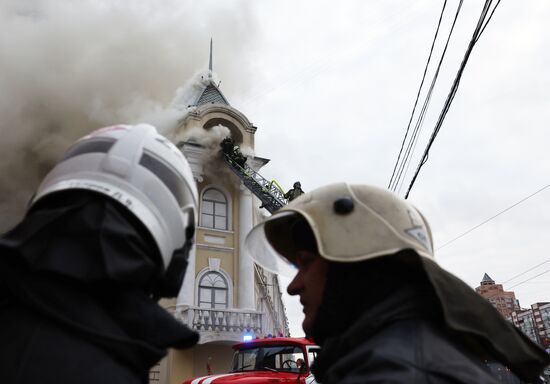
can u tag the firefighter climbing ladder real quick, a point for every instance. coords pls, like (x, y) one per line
(270, 195)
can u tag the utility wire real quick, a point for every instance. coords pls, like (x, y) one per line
(480, 27)
(488, 19)
(418, 94)
(529, 279)
(420, 121)
(529, 270)
(493, 217)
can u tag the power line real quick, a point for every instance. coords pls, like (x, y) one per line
(480, 27)
(418, 93)
(488, 19)
(420, 121)
(524, 272)
(529, 279)
(494, 216)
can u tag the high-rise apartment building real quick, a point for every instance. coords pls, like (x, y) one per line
(525, 321)
(541, 314)
(504, 301)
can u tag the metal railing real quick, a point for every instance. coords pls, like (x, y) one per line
(270, 195)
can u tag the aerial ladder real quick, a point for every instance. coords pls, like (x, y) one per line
(269, 192)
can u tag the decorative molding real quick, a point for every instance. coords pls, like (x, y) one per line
(206, 109)
(251, 129)
(220, 324)
(215, 230)
(214, 264)
(194, 153)
(215, 248)
(218, 240)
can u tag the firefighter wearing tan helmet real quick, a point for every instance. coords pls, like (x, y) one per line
(375, 299)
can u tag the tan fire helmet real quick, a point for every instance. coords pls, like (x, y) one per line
(350, 223)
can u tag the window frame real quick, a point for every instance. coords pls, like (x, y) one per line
(213, 289)
(214, 214)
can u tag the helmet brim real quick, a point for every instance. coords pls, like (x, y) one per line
(276, 231)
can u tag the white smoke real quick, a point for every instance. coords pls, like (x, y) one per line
(209, 138)
(247, 151)
(187, 95)
(68, 67)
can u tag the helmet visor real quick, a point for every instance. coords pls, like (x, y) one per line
(271, 244)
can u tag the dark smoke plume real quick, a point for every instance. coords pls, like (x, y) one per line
(68, 67)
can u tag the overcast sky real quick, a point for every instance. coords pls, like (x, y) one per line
(330, 87)
(337, 88)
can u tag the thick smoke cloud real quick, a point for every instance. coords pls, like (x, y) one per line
(69, 67)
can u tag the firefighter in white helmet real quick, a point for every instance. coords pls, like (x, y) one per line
(376, 301)
(107, 233)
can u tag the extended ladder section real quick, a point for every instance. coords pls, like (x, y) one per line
(270, 195)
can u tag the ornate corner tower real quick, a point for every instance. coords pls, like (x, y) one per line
(225, 295)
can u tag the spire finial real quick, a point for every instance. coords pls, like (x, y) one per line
(210, 62)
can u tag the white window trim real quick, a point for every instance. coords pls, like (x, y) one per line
(229, 199)
(203, 272)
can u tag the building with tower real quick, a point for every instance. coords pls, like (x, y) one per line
(504, 301)
(534, 322)
(225, 295)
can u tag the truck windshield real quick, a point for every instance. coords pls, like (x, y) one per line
(287, 358)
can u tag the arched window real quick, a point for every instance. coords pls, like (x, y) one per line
(213, 291)
(214, 209)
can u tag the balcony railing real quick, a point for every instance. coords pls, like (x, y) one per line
(220, 320)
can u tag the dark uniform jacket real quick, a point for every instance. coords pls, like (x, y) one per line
(406, 351)
(75, 297)
(37, 348)
(415, 323)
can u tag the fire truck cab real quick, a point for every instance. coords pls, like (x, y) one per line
(269, 360)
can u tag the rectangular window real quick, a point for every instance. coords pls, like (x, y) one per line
(312, 355)
(220, 223)
(207, 221)
(220, 296)
(219, 208)
(208, 207)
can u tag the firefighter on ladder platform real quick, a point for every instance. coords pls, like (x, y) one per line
(294, 192)
(233, 151)
(270, 194)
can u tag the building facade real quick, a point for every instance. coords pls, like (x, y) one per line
(541, 314)
(535, 323)
(225, 295)
(525, 321)
(504, 301)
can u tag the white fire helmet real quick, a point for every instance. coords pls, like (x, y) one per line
(350, 223)
(140, 169)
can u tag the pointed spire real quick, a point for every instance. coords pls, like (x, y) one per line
(211, 94)
(487, 280)
(210, 62)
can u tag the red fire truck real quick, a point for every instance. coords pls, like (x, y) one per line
(269, 360)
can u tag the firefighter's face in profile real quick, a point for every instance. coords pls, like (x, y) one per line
(309, 284)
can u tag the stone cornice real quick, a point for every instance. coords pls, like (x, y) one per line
(203, 110)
